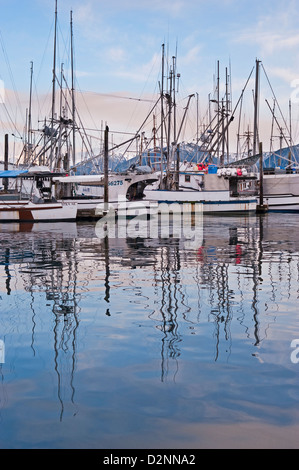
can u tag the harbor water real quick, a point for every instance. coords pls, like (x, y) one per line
(150, 343)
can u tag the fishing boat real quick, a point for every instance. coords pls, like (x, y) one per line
(87, 191)
(219, 190)
(31, 212)
(280, 170)
(30, 199)
(281, 190)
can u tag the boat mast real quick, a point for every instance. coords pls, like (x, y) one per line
(197, 137)
(61, 114)
(162, 113)
(73, 92)
(272, 128)
(169, 99)
(227, 112)
(174, 97)
(256, 104)
(29, 137)
(290, 118)
(154, 135)
(106, 167)
(53, 87)
(5, 180)
(239, 127)
(218, 106)
(223, 133)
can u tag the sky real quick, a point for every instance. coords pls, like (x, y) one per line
(118, 50)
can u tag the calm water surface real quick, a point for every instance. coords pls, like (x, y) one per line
(146, 343)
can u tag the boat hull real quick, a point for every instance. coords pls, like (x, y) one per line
(96, 208)
(287, 203)
(281, 192)
(30, 212)
(214, 202)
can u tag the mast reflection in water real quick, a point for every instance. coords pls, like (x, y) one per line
(128, 343)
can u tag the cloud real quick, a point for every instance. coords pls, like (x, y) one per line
(191, 56)
(172, 7)
(270, 42)
(82, 73)
(116, 54)
(85, 13)
(286, 74)
(274, 31)
(140, 72)
(90, 11)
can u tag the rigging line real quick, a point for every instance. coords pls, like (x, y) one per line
(276, 99)
(93, 137)
(11, 121)
(89, 150)
(45, 49)
(112, 132)
(239, 126)
(292, 153)
(45, 102)
(140, 99)
(145, 120)
(235, 108)
(10, 71)
(37, 97)
(65, 51)
(82, 96)
(116, 96)
(212, 145)
(276, 154)
(242, 93)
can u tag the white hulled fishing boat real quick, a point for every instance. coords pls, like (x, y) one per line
(87, 191)
(30, 199)
(227, 190)
(281, 190)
